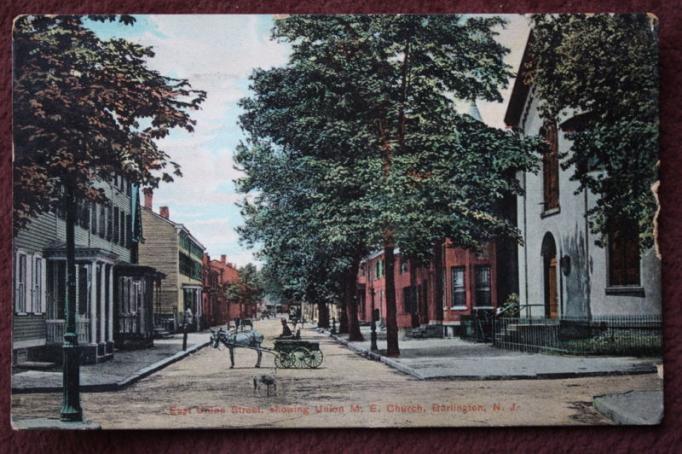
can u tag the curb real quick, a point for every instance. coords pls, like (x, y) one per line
(640, 370)
(121, 384)
(612, 411)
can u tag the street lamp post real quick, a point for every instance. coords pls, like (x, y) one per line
(71, 405)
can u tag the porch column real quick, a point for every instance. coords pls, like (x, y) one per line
(93, 298)
(110, 315)
(102, 298)
(93, 301)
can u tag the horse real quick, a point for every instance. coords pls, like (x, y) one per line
(250, 339)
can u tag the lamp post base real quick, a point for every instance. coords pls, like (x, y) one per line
(71, 407)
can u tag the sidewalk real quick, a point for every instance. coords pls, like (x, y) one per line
(455, 358)
(126, 367)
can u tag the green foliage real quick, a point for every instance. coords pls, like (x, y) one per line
(358, 136)
(79, 107)
(248, 289)
(604, 67)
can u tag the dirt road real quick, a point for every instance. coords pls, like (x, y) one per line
(347, 391)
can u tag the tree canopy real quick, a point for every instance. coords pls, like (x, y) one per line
(87, 109)
(357, 139)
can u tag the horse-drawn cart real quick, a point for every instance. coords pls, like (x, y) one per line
(297, 354)
(288, 353)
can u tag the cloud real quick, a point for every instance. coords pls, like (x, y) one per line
(216, 53)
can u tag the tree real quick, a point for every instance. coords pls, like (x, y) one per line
(604, 67)
(366, 103)
(86, 110)
(248, 290)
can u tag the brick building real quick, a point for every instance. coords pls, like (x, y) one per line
(470, 283)
(218, 274)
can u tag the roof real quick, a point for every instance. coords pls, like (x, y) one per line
(177, 225)
(519, 93)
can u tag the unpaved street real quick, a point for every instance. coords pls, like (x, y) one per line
(348, 390)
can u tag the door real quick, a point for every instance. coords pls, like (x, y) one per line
(549, 258)
(552, 297)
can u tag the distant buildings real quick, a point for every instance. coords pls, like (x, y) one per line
(172, 249)
(218, 275)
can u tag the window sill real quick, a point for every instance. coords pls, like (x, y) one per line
(550, 212)
(483, 307)
(634, 290)
(458, 308)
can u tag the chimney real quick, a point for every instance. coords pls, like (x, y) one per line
(164, 213)
(148, 197)
(223, 258)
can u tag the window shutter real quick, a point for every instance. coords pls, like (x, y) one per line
(28, 286)
(43, 286)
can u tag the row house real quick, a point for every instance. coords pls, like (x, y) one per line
(218, 274)
(470, 284)
(171, 248)
(562, 272)
(106, 241)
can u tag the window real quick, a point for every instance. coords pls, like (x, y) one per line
(93, 221)
(122, 229)
(189, 267)
(83, 214)
(458, 289)
(550, 167)
(102, 221)
(82, 294)
(114, 222)
(623, 253)
(408, 301)
(110, 222)
(20, 286)
(404, 265)
(482, 280)
(379, 269)
(129, 230)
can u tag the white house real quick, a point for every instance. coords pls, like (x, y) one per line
(562, 272)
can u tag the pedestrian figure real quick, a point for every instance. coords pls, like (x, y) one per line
(286, 332)
(237, 322)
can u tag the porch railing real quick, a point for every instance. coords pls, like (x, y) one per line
(55, 331)
(129, 324)
(639, 335)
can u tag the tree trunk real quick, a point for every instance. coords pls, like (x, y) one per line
(413, 294)
(343, 317)
(438, 284)
(351, 296)
(322, 314)
(71, 407)
(391, 310)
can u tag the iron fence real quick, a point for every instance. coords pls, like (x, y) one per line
(637, 335)
(478, 326)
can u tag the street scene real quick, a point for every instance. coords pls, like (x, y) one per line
(347, 390)
(254, 221)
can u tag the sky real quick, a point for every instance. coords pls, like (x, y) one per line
(217, 53)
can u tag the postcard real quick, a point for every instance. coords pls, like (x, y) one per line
(305, 221)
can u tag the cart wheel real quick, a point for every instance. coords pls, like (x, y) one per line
(315, 359)
(282, 360)
(299, 358)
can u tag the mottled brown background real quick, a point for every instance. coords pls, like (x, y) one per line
(601, 439)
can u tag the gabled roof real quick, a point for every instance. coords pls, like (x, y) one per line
(177, 226)
(519, 94)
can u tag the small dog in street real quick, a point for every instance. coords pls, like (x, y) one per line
(267, 380)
